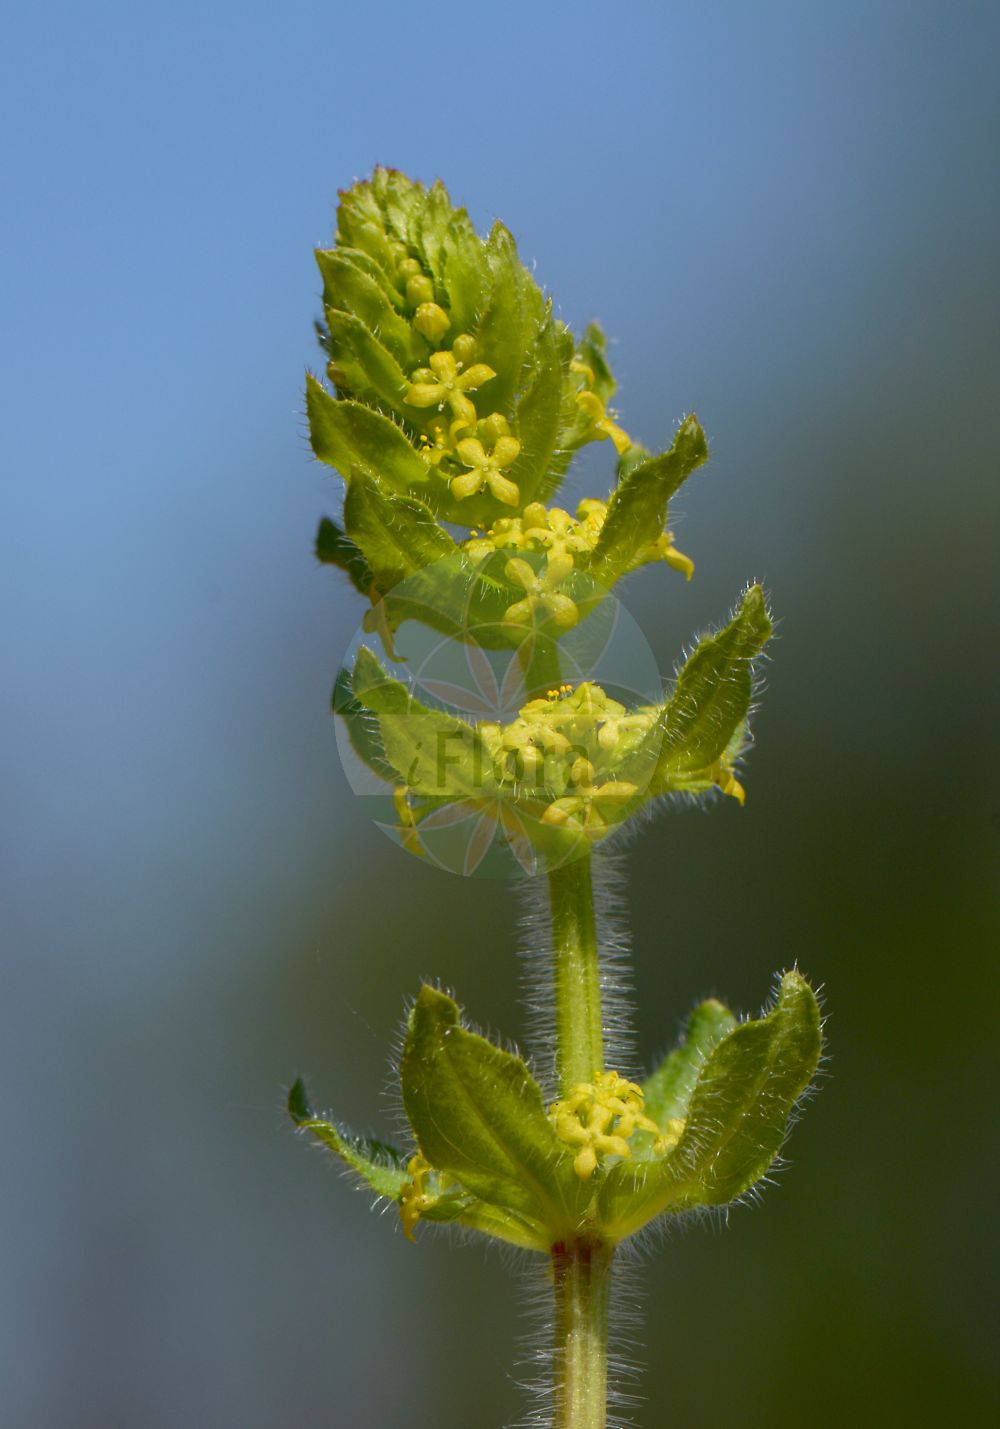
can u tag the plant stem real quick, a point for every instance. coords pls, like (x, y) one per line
(582, 1273)
(581, 1268)
(579, 1037)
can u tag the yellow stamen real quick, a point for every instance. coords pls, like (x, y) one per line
(600, 1118)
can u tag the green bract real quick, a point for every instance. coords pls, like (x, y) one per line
(704, 1129)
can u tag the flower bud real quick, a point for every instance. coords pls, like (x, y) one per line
(464, 348)
(419, 289)
(431, 321)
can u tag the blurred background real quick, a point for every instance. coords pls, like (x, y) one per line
(787, 215)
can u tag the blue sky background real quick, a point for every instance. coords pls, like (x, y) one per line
(787, 216)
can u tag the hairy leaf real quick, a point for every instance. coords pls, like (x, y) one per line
(592, 350)
(478, 1115)
(334, 548)
(712, 695)
(352, 437)
(398, 536)
(638, 508)
(348, 288)
(509, 328)
(379, 1166)
(430, 227)
(539, 415)
(433, 753)
(462, 1208)
(737, 1117)
(464, 271)
(362, 728)
(360, 364)
(668, 1091)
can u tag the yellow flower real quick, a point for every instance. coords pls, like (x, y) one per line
(554, 530)
(541, 590)
(487, 468)
(443, 381)
(663, 549)
(594, 407)
(599, 1118)
(587, 811)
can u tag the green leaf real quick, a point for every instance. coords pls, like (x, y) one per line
(433, 753)
(400, 199)
(738, 1114)
(478, 1116)
(499, 1222)
(389, 283)
(668, 1091)
(710, 701)
(576, 426)
(592, 350)
(539, 414)
(508, 332)
(431, 226)
(357, 227)
(362, 728)
(397, 535)
(379, 1166)
(412, 563)
(359, 364)
(464, 271)
(638, 508)
(737, 1117)
(351, 437)
(333, 548)
(347, 288)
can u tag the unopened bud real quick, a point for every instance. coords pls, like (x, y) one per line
(464, 348)
(419, 289)
(431, 321)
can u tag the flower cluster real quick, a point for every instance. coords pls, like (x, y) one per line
(606, 1158)
(574, 763)
(569, 744)
(553, 530)
(599, 1119)
(459, 397)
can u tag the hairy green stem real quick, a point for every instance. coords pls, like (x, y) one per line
(582, 1275)
(581, 1269)
(579, 1037)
